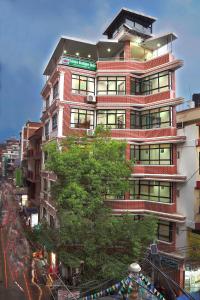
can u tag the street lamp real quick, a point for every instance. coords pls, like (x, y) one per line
(134, 270)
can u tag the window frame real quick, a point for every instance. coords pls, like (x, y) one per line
(87, 80)
(137, 148)
(165, 238)
(51, 222)
(44, 212)
(47, 101)
(109, 112)
(138, 117)
(55, 126)
(138, 184)
(137, 84)
(45, 185)
(56, 90)
(80, 125)
(108, 91)
(46, 132)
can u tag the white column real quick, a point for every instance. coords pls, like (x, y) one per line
(50, 125)
(51, 93)
(60, 122)
(43, 105)
(61, 86)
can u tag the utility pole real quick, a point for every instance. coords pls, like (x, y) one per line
(134, 270)
(155, 260)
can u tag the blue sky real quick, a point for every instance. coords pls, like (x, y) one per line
(30, 29)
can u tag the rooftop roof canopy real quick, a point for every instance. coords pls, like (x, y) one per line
(82, 48)
(156, 42)
(124, 13)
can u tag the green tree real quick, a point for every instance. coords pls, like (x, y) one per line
(88, 171)
(18, 177)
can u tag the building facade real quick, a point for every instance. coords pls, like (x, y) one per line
(125, 82)
(9, 157)
(30, 162)
(188, 153)
(27, 130)
(34, 155)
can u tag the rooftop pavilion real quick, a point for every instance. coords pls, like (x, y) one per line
(126, 26)
(136, 21)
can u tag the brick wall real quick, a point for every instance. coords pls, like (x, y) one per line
(143, 205)
(131, 99)
(155, 169)
(133, 65)
(129, 133)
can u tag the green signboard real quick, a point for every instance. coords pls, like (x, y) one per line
(78, 63)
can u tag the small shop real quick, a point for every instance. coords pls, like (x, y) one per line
(22, 196)
(192, 265)
(192, 278)
(32, 217)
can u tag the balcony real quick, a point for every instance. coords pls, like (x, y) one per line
(134, 99)
(132, 64)
(144, 134)
(143, 205)
(163, 210)
(155, 169)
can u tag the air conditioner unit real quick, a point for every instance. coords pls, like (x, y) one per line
(90, 132)
(91, 98)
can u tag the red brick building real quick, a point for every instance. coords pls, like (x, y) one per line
(30, 157)
(127, 83)
(27, 130)
(34, 157)
(9, 153)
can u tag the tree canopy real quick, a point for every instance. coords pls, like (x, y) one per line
(90, 172)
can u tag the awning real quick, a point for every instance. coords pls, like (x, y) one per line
(156, 42)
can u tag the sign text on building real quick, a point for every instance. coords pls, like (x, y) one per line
(78, 63)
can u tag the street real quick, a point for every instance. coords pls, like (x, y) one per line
(17, 279)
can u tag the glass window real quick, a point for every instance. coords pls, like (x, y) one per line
(45, 156)
(54, 121)
(157, 191)
(109, 196)
(158, 154)
(165, 230)
(115, 119)
(154, 118)
(45, 185)
(135, 119)
(82, 118)
(55, 90)
(47, 102)
(46, 129)
(152, 84)
(83, 84)
(44, 213)
(134, 190)
(52, 222)
(111, 85)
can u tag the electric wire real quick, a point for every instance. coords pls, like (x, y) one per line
(168, 278)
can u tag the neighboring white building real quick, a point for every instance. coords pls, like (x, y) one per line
(188, 193)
